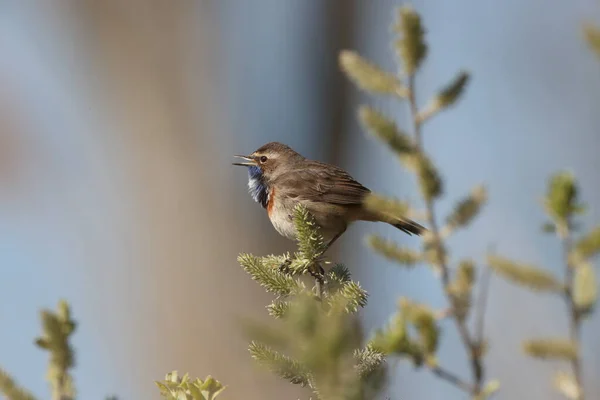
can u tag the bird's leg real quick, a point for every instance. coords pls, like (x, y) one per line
(317, 271)
(336, 237)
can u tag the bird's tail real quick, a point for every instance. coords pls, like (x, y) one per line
(408, 226)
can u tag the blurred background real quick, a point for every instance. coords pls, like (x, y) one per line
(118, 120)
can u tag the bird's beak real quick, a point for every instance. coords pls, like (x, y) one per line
(251, 162)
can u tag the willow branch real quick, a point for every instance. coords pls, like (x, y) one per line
(574, 317)
(453, 379)
(471, 346)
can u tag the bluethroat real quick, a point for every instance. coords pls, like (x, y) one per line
(279, 178)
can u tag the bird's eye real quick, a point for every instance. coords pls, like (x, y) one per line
(263, 159)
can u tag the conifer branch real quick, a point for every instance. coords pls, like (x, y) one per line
(278, 308)
(271, 279)
(281, 365)
(368, 360)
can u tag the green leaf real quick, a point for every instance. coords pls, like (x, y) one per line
(391, 251)
(410, 47)
(445, 98)
(558, 349)
(592, 36)
(452, 92)
(369, 77)
(423, 318)
(386, 130)
(525, 274)
(585, 288)
(586, 247)
(561, 201)
(394, 339)
(468, 208)
(430, 182)
(567, 385)
(460, 289)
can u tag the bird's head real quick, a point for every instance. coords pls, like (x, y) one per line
(269, 161)
(264, 165)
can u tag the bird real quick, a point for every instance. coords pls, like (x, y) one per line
(279, 178)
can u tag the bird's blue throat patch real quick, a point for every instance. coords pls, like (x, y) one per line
(257, 187)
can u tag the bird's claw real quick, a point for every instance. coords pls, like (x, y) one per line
(318, 272)
(284, 267)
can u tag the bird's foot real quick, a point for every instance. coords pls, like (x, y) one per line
(317, 272)
(284, 267)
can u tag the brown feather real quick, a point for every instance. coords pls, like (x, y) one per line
(317, 181)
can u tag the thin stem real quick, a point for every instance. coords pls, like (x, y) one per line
(472, 347)
(453, 379)
(574, 317)
(484, 289)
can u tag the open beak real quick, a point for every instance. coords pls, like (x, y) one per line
(251, 162)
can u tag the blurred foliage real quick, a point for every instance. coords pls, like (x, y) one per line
(559, 349)
(579, 288)
(527, 275)
(393, 252)
(413, 332)
(11, 390)
(56, 331)
(317, 342)
(174, 387)
(57, 328)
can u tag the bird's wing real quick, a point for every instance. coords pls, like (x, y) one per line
(316, 181)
